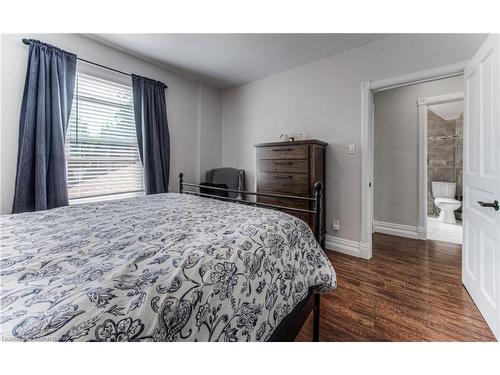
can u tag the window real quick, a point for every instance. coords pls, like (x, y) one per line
(101, 143)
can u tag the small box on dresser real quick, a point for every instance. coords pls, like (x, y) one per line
(292, 168)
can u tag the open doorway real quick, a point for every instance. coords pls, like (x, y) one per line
(441, 166)
(417, 159)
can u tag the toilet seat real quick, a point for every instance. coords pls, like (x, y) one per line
(446, 201)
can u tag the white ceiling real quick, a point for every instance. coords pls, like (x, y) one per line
(448, 111)
(226, 60)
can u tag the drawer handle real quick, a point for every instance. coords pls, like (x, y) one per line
(282, 149)
(283, 162)
(281, 177)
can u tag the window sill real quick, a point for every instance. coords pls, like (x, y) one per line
(104, 198)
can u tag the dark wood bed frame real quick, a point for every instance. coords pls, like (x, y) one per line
(290, 326)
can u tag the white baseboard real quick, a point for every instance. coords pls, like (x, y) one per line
(349, 247)
(409, 231)
(444, 232)
(421, 233)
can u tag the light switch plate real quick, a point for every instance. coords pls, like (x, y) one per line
(352, 148)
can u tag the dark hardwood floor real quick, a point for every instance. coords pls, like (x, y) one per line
(409, 291)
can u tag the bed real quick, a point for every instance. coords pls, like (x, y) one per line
(164, 267)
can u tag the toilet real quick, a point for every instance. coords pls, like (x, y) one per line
(444, 199)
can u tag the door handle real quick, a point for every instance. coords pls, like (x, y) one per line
(492, 205)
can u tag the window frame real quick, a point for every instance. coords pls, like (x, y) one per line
(114, 78)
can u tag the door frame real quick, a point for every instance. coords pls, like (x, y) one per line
(368, 88)
(422, 104)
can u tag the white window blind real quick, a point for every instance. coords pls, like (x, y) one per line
(101, 143)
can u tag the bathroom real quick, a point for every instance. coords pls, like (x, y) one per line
(445, 171)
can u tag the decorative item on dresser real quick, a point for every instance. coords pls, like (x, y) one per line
(292, 168)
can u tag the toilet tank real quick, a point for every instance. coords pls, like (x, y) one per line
(443, 189)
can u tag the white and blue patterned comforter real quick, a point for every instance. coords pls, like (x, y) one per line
(166, 267)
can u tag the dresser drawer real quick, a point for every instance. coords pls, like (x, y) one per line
(295, 203)
(284, 183)
(283, 152)
(294, 166)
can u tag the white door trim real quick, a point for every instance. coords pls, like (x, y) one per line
(421, 76)
(367, 90)
(422, 104)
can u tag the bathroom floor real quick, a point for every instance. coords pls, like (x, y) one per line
(439, 231)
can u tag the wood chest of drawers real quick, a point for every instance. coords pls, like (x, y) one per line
(292, 168)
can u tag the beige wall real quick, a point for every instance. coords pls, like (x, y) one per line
(395, 181)
(194, 110)
(323, 99)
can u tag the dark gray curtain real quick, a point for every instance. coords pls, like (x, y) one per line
(41, 181)
(150, 110)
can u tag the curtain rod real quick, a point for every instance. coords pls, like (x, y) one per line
(27, 42)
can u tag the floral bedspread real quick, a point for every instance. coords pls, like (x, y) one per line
(166, 267)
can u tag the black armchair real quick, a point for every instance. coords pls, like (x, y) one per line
(231, 177)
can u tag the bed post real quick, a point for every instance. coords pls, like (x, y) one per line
(181, 175)
(317, 208)
(316, 318)
(317, 233)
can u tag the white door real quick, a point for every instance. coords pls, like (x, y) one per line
(481, 223)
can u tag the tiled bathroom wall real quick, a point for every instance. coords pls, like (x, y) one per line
(444, 154)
